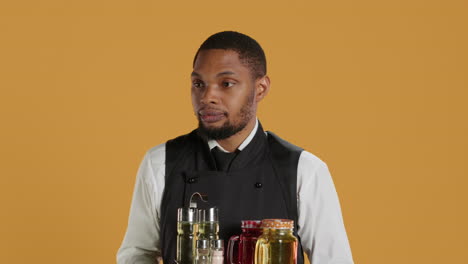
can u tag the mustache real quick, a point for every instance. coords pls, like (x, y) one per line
(211, 110)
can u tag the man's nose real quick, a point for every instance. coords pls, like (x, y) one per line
(210, 95)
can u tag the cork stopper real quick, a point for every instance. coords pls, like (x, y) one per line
(278, 223)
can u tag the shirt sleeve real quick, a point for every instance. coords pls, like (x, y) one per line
(141, 243)
(321, 229)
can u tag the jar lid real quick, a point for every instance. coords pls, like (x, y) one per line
(217, 244)
(278, 223)
(203, 244)
(251, 224)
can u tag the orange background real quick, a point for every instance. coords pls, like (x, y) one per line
(377, 89)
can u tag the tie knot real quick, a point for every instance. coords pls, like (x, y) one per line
(223, 159)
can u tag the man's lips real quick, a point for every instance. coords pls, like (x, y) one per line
(211, 116)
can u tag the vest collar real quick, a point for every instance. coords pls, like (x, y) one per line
(213, 143)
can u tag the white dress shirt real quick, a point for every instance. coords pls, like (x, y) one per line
(321, 228)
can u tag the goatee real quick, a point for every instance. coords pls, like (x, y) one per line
(227, 130)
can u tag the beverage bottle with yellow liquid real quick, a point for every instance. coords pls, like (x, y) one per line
(187, 232)
(209, 224)
(277, 244)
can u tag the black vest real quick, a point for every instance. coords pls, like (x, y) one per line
(260, 184)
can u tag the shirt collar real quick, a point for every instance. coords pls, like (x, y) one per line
(213, 143)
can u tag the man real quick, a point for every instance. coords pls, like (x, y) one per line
(246, 172)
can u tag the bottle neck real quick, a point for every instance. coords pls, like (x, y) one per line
(279, 231)
(251, 231)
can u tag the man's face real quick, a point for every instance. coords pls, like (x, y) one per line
(223, 93)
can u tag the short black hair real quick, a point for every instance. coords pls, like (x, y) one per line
(250, 52)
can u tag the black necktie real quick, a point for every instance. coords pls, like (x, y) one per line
(223, 159)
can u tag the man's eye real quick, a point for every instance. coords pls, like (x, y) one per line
(228, 84)
(197, 84)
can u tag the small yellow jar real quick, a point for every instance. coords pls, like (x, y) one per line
(277, 244)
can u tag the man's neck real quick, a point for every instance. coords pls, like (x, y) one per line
(231, 143)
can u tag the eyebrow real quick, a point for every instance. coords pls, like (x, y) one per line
(196, 74)
(225, 73)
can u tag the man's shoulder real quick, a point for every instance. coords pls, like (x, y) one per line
(311, 159)
(279, 142)
(305, 156)
(157, 155)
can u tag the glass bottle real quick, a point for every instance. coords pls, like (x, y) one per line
(209, 224)
(203, 252)
(241, 249)
(277, 244)
(187, 231)
(217, 251)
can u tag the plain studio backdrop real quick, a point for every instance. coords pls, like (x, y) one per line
(377, 89)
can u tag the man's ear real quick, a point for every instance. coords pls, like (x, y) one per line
(262, 87)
